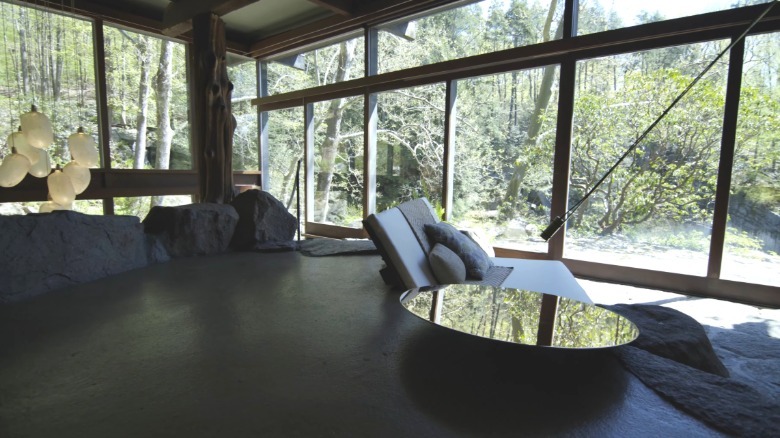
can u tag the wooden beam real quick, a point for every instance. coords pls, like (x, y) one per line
(144, 21)
(334, 26)
(178, 16)
(213, 121)
(110, 183)
(679, 31)
(341, 7)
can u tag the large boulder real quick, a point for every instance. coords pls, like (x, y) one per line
(192, 230)
(672, 334)
(263, 222)
(42, 252)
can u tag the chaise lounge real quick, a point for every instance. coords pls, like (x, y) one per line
(410, 255)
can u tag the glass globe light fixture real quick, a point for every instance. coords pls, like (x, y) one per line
(46, 207)
(49, 206)
(42, 167)
(79, 176)
(83, 148)
(60, 188)
(13, 169)
(19, 141)
(37, 128)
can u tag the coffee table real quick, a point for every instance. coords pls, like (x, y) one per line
(520, 317)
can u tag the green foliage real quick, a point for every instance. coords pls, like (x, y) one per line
(506, 128)
(741, 242)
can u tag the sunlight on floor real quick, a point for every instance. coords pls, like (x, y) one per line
(707, 311)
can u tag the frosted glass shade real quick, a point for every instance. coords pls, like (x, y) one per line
(13, 169)
(83, 149)
(79, 176)
(42, 166)
(60, 188)
(37, 129)
(19, 141)
(48, 207)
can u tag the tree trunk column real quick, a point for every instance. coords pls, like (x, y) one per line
(213, 122)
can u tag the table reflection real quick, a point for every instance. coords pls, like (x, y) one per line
(521, 317)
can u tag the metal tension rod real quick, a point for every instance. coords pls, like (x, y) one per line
(557, 223)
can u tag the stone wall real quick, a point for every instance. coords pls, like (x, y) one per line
(757, 220)
(43, 252)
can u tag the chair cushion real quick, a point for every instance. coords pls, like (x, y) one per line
(447, 267)
(480, 240)
(476, 261)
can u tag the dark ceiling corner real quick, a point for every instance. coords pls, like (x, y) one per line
(178, 15)
(341, 7)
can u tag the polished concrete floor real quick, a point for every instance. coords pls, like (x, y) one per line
(282, 345)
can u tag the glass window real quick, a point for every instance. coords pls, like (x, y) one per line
(753, 233)
(505, 141)
(338, 162)
(474, 29)
(655, 210)
(601, 15)
(410, 145)
(326, 65)
(140, 206)
(285, 148)
(47, 61)
(243, 75)
(147, 101)
(86, 206)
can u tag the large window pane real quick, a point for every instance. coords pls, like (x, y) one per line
(86, 206)
(147, 101)
(338, 162)
(753, 234)
(410, 145)
(601, 15)
(505, 140)
(243, 75)
(474, 29)
(655, 210)
(285, 148)
(327, 65)
(47, 61)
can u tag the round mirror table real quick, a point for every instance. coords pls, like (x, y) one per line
(520, 317)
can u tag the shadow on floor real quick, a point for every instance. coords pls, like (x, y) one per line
(484, 387)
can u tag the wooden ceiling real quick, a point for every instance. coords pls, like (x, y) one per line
(254, 28)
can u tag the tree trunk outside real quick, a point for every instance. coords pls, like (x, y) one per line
(21, 27)
(163, 92)
(542, 101)
(329, 147)
(57, 61)
(143, 51)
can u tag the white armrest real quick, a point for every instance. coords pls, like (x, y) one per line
(545, 276)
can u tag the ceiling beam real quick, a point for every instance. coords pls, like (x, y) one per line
(142, 20)
(334, 26)
(341, 7)
(178, 16)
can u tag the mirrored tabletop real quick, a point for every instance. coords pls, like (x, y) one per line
(520, 317)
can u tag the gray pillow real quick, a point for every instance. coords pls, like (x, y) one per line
(476, 261)
(447, 267)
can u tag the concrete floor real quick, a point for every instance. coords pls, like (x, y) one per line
(282, 345)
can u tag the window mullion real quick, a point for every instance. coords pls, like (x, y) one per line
(562, 160)
(725, 166)
(450, 124)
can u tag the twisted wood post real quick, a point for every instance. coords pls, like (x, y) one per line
(213, 121)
